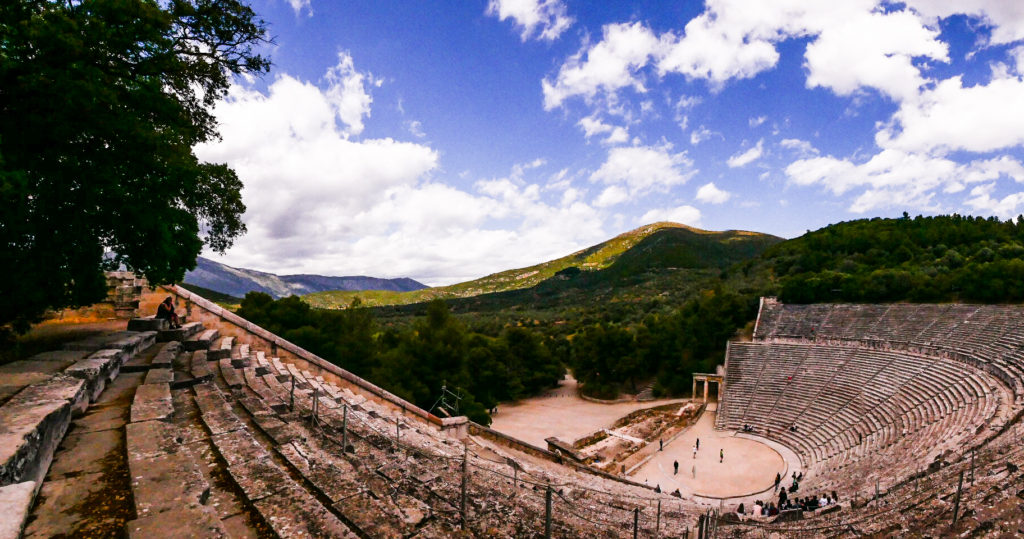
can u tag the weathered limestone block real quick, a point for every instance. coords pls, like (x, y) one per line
(179, 334)
(15, 502)
(147, 323)
(201, 341)
(100, 367)
(164, 359)
(232, 377)
(152, 401)
(159, 376)
(295, 513)
(32, 424)
(199, 368)
(221, 350)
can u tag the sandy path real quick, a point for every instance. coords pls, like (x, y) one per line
(561, 413)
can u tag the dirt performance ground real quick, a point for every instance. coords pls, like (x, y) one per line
(748, 467)
(725, 465)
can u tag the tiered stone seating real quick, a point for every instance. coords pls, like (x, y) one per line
(876, 391)
(39, 397)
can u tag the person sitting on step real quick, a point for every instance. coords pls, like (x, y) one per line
(166, 312)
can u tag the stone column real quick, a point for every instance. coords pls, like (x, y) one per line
(694, 392)
(706, 384)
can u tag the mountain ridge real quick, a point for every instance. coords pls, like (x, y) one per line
(599, 257)
(238, 281)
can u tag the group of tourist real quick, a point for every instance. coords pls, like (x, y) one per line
(770, 509)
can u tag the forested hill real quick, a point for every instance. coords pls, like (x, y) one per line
(942, 258)
(656, 247)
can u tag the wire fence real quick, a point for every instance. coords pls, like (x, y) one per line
(569, 504)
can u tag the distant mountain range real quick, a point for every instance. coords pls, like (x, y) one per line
(237, 281)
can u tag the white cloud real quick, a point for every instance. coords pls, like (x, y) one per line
(320, 202)
(756, 121)
(951, 117)
(346, 92)
(712, 195)
(592, 126)
(801, 147)
(687, 215)
(1017, 55)
(854, 45)
(893, 178)
(1007, 207)
(607, 67)
(612, 195)
(700, 135)
(545, 19)
(301, 5)
(1006, 17)
(749, 156)
(643, 169)
(415, 128)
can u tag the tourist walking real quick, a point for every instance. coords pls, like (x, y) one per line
(778, 479)
(675, 466)
(721, 455)
(661, 444)
(694, 452)
(698, 443)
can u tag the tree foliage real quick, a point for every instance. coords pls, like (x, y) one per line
(101, 103)
(416, 362)
(942, 258)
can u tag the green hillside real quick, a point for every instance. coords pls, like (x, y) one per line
(656, 247)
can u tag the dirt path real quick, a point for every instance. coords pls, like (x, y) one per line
(563, 414)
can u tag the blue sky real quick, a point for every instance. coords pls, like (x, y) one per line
(447, 140)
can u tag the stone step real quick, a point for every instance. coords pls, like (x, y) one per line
(202, 340)
(32, 424)
(148, 323)
(15, 503)
(221, 350)
(152, 401)
(232, 376)
(18, 375)
(159, 376)
(131, 342)
(97, 369)
(288, 509)
(200, 368)
(179, 334)
(169, 491)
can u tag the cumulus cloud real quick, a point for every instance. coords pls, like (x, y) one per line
(1007, 207)
(1006, 18)
(592, 126)
(854, 45)
(687, 215)
(607, 67)
(893, 178)
(746, 157)
(319, 201)
(612, 195)
(712, 195)
(347, 94)
(950, 117)
(755, 121)
(543, 19)
(643, 169)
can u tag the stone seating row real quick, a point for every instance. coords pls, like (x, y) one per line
(374, 487)
(39, 397)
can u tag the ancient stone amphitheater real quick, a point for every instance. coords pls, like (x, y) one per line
(223, 429)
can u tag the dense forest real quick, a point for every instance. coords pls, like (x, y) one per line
(642, 321)
(415, 362)
(924, 259)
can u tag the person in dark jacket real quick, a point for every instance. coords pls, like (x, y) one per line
(166, 312)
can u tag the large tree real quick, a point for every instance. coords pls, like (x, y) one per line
(101, 103)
